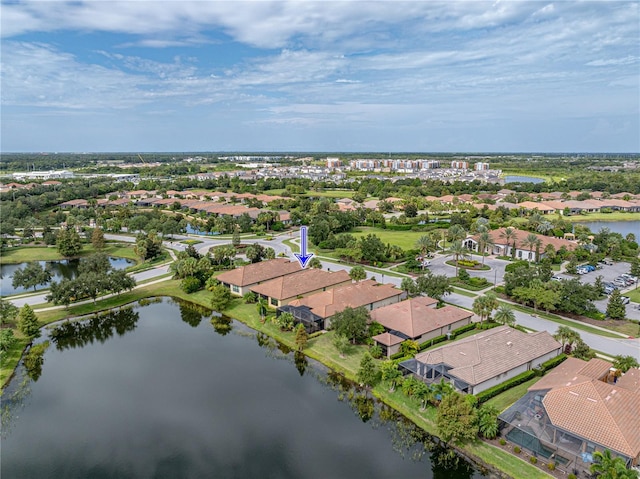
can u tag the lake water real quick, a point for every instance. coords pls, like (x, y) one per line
(622, 227)
(522, 179)
(67, 268)
(160, 392)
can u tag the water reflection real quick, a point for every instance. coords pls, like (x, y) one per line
(192, 313)
(221, 324)
(76, 334)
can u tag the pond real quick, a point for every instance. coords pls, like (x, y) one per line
(67, 268)
(622, 227)
(522, 179)
(162, 392)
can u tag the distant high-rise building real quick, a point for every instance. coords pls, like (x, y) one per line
(333, 162)
(481, 166)
(459, 165)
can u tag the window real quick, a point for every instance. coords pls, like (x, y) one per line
(274, 302)
(235, 288)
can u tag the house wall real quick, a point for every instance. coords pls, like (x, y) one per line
(514, 372)
(444, 330)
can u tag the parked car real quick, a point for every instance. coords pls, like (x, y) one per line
(628, 276)
(625, 299)
(607, 262)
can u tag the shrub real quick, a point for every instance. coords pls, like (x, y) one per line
(431, 342)
(495, 390)
(572, 476)
(250, 297)
(478, 282)
(516, 449)
(533, 460)
(316, 334)
(190, 284)
(551, 466)
(457, 332)
(553, 362)
(500, 289)
(375, 351)
(463, 275)
(502, 442)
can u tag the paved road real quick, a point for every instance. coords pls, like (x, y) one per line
(610, 346)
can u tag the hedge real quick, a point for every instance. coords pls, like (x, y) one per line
(393, 227)
(457, 332)
(495, 390)
(399, 355)
(431, 342)
(553, 362)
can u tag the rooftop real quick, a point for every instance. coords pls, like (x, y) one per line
(258, 272)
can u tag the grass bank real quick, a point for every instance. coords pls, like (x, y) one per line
(613, 216)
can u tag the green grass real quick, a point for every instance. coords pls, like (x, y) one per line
(464, 292)
(405, 239)
(559, 320)
(634, 295)
(469, 287)
(24, 254)
(333, 194)
(505, 399)
(614, 216)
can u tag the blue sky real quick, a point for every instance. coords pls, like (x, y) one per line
(320, 76)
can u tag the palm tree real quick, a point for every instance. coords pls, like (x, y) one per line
(441, 389)
(505, 315)
(535, 219)
(488, 421)
(530, 242)
(424, 244)
(484, 305)
(509, 234)
(422, 393)
(567, 336)
(261, 306)
(544, 227)
(484, 240)
(458, 250)
(456, 232)
(607, 467)
(391, 374)
(481, 224)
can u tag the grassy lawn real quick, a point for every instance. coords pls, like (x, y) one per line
(634, 294)
(469, 287)
(44, 253)
(505, 399)
(559, 320)
(333, 194)
(614, 216)
(464, 292)
(404, 239)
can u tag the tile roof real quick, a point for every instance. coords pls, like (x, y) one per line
(572, 371)
(630, 380)
(300, 283)
(387, 339)
(327, 303)
(488, 354)
(258, 272)
(599, 412)
(417, 316)
(496, 237)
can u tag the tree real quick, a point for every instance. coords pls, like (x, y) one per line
(484, 305)
(422, 393)
(372, 248)
(97, 239)
(435, 286)
(410, 210)
(458, 250)
(581, 350)
(567, 337)
(255, 253)
(391, 374)
(220, 298)
(368, 374)
(505, 315)
(530, 241)
(8, 312)
(408, 286)
(341, 343)
(635, 267)
(484, 241)
(456, 233)
(31, 276)
(607, 467)
(357, 273)
(301, 337)
(261, 306)
(351, 323)
(509, 234)
(425, 243)
(285, 321)
(615, 307)
(28, 322)
(456, 419)
(409, 347)
(624, 363)
(315, 263)
(68, 242)
(7, 340)
(96, 263)
(488, 421)
(235, 239)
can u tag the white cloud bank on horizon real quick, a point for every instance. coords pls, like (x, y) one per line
(378, 76)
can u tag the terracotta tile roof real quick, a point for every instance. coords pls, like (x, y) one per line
(530, 205)
(258, 272)
(300, 283)
(496, 236)
(334, 300)
(630, 380)
(387, 339)
(490, 353)
(417, 316)
(572, 371)
(599, 412)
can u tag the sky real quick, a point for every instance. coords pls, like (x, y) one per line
(330, 76)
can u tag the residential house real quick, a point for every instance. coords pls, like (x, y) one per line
(541, 208)
(522, 251)
(242, 279)
(285, 289)
(315, 311)
(417, 319)
(578, 408)
(485, 359)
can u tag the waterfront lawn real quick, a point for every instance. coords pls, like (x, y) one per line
(505, 399)
(614, 216)
(322, 349)
(405, 239)
(24, 254)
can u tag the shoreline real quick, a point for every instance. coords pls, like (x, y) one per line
(472, 451)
